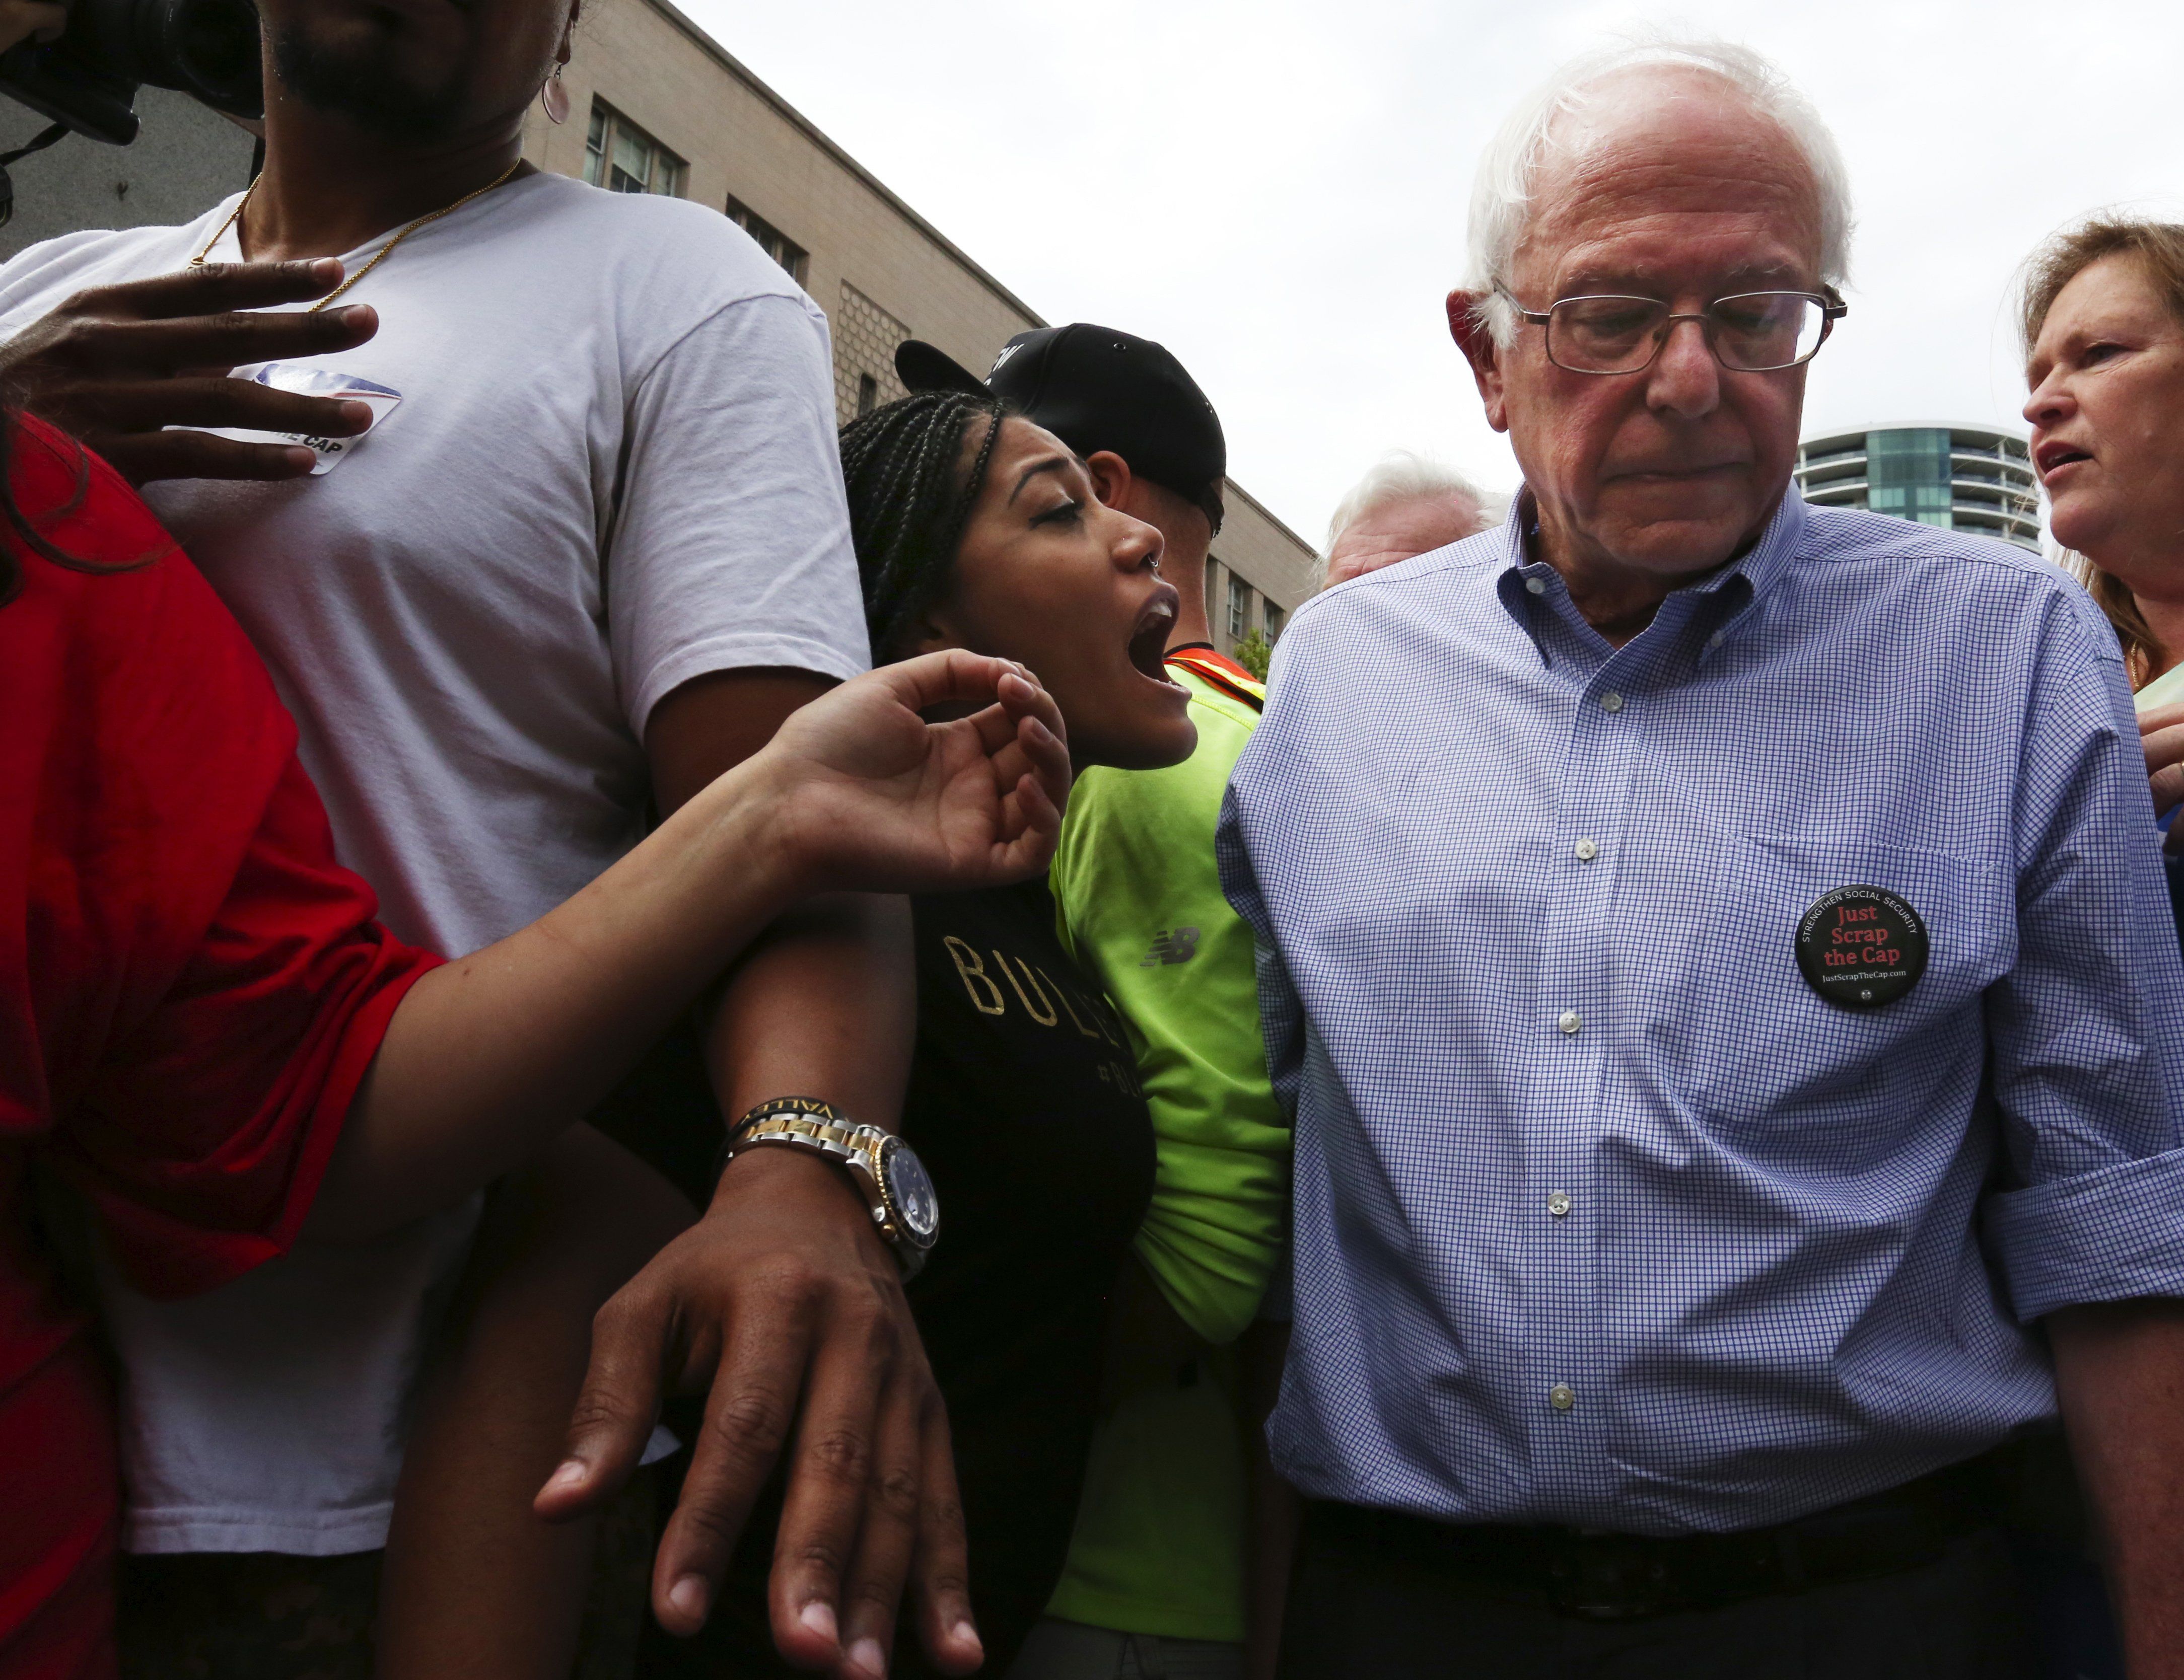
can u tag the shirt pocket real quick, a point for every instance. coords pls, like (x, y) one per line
(1747, 1040)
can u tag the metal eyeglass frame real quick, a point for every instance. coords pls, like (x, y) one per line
(1832, 309)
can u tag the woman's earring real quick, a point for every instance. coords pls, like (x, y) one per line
(554, 96)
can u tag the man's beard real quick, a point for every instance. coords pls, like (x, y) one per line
(363, 85)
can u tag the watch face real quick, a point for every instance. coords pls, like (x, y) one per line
(911, 1191)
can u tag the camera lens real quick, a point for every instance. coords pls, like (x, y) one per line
(213, 45)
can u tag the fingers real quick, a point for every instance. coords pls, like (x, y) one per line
(2165, 763)
(145, 405)
(2158, 718)
(212, 289)
(2163, 745)
(213, 341)
(1048, 752)
(940, 1571)
(748, 1417)
(1020, 692)
(833, 1481)
(871, 1591)
(951, 678)
(128, 422)
(1041, 822)
(1032, 808)
(143, 457)
(1018, 699)
(616, 1407)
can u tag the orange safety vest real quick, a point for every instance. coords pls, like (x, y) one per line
(1217, 671)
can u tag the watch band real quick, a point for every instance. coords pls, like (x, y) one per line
(809, 1123)
(833, 1136)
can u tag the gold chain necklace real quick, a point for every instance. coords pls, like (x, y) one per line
(379, 256)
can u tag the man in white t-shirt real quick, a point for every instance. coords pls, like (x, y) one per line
(592, 549)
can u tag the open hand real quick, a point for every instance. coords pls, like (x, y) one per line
(875, 798)
(783, 1307)
(118, 366)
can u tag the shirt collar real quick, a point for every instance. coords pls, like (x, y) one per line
(1741, 582)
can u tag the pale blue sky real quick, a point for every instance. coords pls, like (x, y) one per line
(1276, 189)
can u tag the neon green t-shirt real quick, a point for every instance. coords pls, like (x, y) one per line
(1159, 1543)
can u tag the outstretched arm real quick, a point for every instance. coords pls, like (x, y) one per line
(782, 1307)
(490, 1056)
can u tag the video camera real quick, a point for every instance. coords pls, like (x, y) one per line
(86, 81)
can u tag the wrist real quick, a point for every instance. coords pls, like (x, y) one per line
(782, 1175)
(884, 1170)
(751, 818)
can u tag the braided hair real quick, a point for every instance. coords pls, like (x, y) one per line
(910, 500)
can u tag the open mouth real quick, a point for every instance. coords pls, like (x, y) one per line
(1148, 643)
(2049, 457)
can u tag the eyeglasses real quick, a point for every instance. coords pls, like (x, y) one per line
(1751, 332)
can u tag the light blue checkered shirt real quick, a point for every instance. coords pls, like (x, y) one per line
(1602, 1217)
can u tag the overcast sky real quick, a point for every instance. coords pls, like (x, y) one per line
(1276, 189)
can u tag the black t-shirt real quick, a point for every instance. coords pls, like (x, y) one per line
(1024, 1105)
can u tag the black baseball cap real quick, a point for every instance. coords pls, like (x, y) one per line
(1096, 388)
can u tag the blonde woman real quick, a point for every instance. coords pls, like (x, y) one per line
(2105, 323)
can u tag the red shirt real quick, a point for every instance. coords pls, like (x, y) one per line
(190, 990)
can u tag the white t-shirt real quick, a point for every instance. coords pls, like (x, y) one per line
(612, 468)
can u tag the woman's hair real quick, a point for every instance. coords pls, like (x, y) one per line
(19, 524)
(2159, 248)
(909, 497)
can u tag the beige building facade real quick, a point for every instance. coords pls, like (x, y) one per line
(657, 105)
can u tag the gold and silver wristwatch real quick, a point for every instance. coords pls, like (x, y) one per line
(886, 1170)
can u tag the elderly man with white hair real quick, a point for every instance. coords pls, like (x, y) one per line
(1738, 1065)
(1406, 506)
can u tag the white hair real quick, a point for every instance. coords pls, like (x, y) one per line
(1501, 196)
(1398, 476)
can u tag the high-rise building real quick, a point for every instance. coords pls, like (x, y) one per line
(1972, 478)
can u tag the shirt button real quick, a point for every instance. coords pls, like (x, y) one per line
(1562, 1397)
(1717, 638)
(1611, 702)
(1559, 1204)
(1537, 585)
(1587, 850)
(1569, 1021)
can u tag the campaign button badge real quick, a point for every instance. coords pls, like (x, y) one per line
(1861, 947)
(305, 380)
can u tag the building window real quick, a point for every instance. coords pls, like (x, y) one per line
(868, 394)
(1908, 474)
(621, 157)
(770, 240)
(1240, 607)
(1275, 615)
(865, 340)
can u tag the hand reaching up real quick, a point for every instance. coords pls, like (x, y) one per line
(875, 798)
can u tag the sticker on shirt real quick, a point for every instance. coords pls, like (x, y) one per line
(305, 381)
(1861, 947)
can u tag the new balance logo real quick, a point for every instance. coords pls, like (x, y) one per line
(1178, 946)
